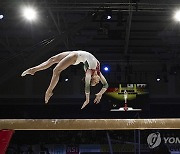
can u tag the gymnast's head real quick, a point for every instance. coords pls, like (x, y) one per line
(95, 78)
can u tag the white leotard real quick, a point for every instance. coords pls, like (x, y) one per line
(84, 56)
(93, 64)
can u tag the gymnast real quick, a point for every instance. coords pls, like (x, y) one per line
(63, 61)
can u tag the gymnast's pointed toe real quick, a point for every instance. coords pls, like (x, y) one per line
(24, 73)
(29, 71)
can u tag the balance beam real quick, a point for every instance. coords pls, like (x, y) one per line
(88, 124)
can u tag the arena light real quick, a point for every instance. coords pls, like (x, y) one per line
(108, 17)
(177, 16)
(1, 16)
(29, 13)
(66, 79)
(108, 13)
(106, 68)
(158, 78)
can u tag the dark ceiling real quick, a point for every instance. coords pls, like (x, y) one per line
(139, 32)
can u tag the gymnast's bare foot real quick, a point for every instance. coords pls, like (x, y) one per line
(28, 71)
(85, 103)
(48, 96)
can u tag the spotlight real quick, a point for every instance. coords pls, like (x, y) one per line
(29, 13)
(66, 79)
(108, 13)
(177, 16)
(106, 68)
(158, 79)
(108, 17)
(1, 16)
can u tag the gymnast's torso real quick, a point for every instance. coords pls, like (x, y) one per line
(84, 57)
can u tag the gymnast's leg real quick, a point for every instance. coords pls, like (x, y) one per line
(62, 65)
(53, 60)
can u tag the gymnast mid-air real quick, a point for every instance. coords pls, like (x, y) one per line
(63, 61)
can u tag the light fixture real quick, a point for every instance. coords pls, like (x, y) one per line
(108, 17)
(66, 79)
(1, 16)
(106, 68)
(29, 13)
(158, 79)
(108, 13)
(177, 16)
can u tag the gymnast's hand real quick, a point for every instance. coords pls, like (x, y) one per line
(98, 98)
(85, 103)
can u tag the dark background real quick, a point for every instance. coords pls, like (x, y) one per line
(139, 43)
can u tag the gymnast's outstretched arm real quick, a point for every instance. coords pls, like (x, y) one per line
(103, 90)
(87, 87)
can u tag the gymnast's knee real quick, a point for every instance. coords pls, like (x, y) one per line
(57, 71)
(74, 55)
(53, 59)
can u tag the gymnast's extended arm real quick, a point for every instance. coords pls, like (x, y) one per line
(87, 88)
